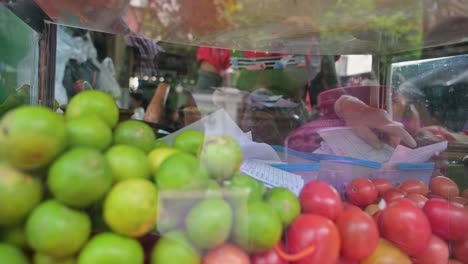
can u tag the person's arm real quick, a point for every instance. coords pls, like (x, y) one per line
(371, 123)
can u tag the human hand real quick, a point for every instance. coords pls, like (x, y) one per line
(371, 124)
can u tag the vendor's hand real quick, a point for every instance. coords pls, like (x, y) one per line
(372, 124)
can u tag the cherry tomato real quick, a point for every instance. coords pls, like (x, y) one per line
(459, 200)
(226, 253)
(435, 253)
(269, 257)
(447, 220)
(317, 197)
(460, 250)
(444, 187)
(359, 234)
(465, 194)
(314, 230)
(387, 253)
(361, 192)
(393, 195)
(405, 225)
(382, 185)
(414, 186)
(417, 199)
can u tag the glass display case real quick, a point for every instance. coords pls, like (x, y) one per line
(266, 131)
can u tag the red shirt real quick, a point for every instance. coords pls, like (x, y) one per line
(219, 58)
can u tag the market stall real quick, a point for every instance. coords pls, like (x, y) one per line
(287, 159)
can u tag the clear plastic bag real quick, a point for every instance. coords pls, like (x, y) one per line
(106, 81)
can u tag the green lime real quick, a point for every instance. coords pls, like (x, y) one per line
(56, 230)
(40, 258)
(110, 248)
(89, 131)
(128, 162)
(157, 156)
(243, 188)
(179, 172)
(174, 247)
(190, 141)
(135, 133)
(32, 137)
(12, 255)
(131, 207)
(209, 223)
(80, 177)
(19, 194)
(285, 203)
(257, 227)
(93, 103)
(222, 156)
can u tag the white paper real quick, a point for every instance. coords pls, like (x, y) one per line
(343, 142)
(271, 176)
(419, 155)
(221, 123)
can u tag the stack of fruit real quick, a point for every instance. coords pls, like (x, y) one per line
(81, 188)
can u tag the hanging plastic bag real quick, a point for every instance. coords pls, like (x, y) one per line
(106, 81)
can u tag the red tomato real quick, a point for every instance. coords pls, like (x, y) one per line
(404, 224)
(347, 261)
(435, 253)
(447, 220)
(317, 197)
(359, 234)
(460, 250)
(226, 253)
(314, 230)
(361, 192)
(393, 195)
(465, 194)
(459, 200)
(269, 257)
(444, 187)
(417, 199)
(382, 185)
(414, 186)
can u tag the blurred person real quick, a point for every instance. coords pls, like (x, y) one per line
(214, 63)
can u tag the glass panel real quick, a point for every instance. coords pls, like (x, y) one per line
(18, 62)
(343, 27)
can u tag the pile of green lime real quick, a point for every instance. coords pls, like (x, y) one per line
(82, 188)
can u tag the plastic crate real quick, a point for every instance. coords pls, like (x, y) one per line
(406, 171)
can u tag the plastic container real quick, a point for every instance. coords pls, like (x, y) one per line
(308, 171)
(340, 172)
(406, 171)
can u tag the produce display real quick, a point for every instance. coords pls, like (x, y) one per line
(83, 188)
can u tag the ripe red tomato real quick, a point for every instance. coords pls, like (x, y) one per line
(393, 195)
(226, 253)
(359, 234)
(417, 199)
(414, 186)
(444, 187)
(460, 250)
(405, 225)
(435, 253)
(347, 261)
(317, 197)
(465, 194)
(448, 221)
(314, 230)
(269, 257)
(361, 192)
(382, 185)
